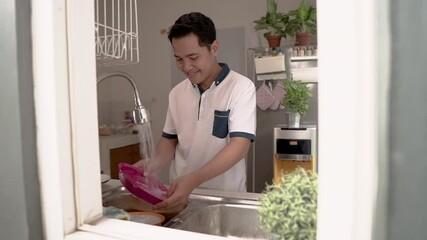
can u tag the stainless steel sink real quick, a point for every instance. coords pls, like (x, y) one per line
(123, 199)
(220, 216)
(227, 217)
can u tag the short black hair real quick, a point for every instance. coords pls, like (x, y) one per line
(196, 23)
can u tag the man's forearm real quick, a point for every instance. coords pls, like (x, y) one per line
(165, 150)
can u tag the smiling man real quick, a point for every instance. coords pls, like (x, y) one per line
(211, 117)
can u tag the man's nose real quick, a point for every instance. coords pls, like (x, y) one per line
(187, 66)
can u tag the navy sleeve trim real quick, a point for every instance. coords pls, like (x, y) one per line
(243, 135)
(169, 136)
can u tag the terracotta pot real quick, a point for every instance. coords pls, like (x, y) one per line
(303, 39)
(274, 41)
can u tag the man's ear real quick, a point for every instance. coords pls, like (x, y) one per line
(214, 48)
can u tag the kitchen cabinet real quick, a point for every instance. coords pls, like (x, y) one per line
(288, 166)
(128, 154)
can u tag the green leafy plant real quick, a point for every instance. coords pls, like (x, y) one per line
(302, 19)
(289, 210)
(273, 23)
(296, 97)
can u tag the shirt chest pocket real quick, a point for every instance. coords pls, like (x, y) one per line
(220, 125)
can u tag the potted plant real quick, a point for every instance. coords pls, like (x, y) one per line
(296, 100)
(273, 24)
(288, 210)
(302, 23)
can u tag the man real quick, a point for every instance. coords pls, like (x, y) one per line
(211, 117)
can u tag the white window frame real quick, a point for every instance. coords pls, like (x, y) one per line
(67, 129)
(354, 53)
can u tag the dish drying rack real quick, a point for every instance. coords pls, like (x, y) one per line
(116, 32)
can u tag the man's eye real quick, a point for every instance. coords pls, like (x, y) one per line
(178, 59)
(194, 58)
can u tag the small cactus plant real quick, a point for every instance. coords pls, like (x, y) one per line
(289, 210)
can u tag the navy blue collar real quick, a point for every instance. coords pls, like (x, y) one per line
(224, 72)
(221, 76)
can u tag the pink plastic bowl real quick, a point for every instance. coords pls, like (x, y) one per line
(132, 178)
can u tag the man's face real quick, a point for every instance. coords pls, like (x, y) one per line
(196, 62)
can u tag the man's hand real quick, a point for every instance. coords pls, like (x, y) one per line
(178, 193)
(152, 167)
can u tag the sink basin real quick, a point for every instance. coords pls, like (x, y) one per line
(123, 199)
(220, 216)
(227, 220)
(226, 217)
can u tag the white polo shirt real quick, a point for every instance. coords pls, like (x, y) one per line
(205, 122)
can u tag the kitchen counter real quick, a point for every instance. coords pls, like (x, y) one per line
(106, 143)
(111, 184)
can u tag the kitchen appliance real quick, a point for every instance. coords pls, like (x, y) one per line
(294, 147)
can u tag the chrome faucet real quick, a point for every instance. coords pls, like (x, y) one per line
(140, 113)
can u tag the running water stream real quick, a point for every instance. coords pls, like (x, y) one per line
(148, 152)
(146, 143)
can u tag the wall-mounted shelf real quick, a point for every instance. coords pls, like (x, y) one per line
(273, 64)
(303, 58)
(270, 67)
(305, 74)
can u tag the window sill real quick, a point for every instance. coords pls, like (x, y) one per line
(108, 229)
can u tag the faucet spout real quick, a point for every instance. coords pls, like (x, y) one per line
(140, 113)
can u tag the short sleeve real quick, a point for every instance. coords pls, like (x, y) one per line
(243, 113)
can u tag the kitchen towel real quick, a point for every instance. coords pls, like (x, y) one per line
(264, 96)
(278, 93)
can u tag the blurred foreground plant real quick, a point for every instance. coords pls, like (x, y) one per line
(289, 210)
